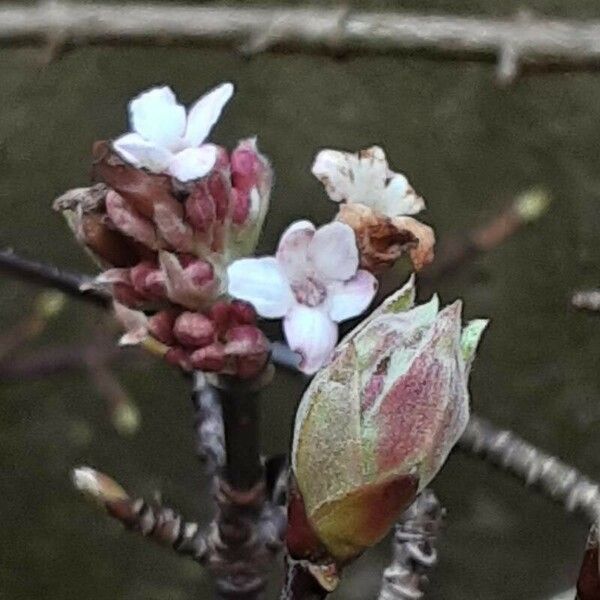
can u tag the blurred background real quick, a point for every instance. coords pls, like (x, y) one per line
(468, 146)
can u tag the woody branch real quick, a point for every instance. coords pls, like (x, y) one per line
(511, 42)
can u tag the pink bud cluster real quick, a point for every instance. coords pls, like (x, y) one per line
(189, 231)
(224, 339)
(165, 244)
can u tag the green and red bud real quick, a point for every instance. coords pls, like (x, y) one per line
(376, 425)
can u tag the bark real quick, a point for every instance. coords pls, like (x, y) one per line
(414, 551)
(534, 467)
(510, 42)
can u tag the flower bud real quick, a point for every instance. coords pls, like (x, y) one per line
(249, 348)
(376, 425)
(194, 329)
(148, 280)
(84, 210)
(160, 326)
(140, 188)
(191, 284)
(130, 222)
(211, 358)
(178, 357)
(251, 177)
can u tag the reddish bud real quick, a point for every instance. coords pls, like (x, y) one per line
(141, 189)
(160, 326)
(148, 280)
(200, 208)
(220, 315)
(242, 313)
(210, 358)
(129, 221)
(178, 357)
(246, 166)
(199, 272)
(250, 348)
(127, 295)
(194, 329)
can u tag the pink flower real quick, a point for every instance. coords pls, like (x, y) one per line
(313, 283)
(166, 140)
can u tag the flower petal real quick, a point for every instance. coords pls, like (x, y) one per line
(292, 251)
(365, 178)
(193, 163)
(352, 177)
(311, 333)
(183, 289)
(157, 117)
(423, 254)
(135, 150)
(333, 251)
(206, 112)
(261, 282)
(398, 197)
(135, 323)
(351, 298)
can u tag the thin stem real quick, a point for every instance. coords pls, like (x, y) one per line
(49, 276)
(157, 523)
(243, 469)
(455, 251)
(534, 467)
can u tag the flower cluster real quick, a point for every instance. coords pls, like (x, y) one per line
(319, 278)
(174, 219)
(169, 214)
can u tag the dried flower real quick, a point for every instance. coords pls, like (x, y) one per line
(376, 202)
(313, 282)
(166, 140)
(377, 424)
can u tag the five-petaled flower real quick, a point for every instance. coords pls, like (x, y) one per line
(313, 282)
(166, 140)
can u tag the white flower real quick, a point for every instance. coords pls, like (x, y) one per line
(312, 282)
(165, 139)
(365, 178)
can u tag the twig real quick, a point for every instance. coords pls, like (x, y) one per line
(532, 466)
(511, 42)
(414, 550)
(586, 300)
(123, 412)
(49, 276)
(157, 523)
(58, 359)
(454, 252)
(208, 424)
(248, 530)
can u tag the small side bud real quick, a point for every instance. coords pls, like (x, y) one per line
(97, 486)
